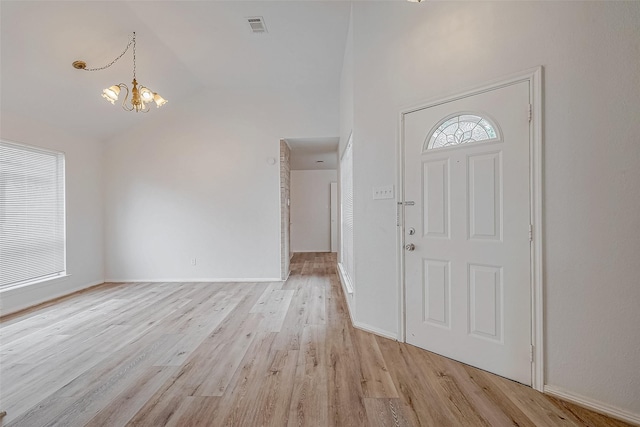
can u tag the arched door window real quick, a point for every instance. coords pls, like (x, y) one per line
(461, 128)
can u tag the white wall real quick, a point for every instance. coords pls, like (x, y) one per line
(200, 185)
(84, 210)
(346, 127)
(311, 210)
(407, 52)
(346, 91)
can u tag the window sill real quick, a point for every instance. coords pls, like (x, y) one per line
(27, 285)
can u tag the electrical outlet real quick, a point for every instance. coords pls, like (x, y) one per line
(380, 193)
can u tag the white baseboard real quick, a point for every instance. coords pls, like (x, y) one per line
(592, 404)
(44, 293)
(348, 293)
(197, 280)
(374, 330)
(347, 286)
(288, 274)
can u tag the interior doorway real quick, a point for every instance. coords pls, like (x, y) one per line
(314, 168)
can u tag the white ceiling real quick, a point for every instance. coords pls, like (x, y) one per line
(313, 153)
(183, 48)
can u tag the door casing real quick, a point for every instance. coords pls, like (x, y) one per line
(534, 77)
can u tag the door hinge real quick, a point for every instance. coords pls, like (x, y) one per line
(531, 232)
(530, 112)
(531, 353)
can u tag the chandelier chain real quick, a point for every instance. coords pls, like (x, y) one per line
(134, 55)
(133, 40)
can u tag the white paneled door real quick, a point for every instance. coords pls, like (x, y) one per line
(467, 234)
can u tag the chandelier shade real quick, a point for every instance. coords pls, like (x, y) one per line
(141, 96)
(111, 94)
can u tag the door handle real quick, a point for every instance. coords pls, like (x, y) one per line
(410, 247)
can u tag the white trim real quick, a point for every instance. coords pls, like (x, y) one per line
(26, 285)
(349, 142)
(489, 86)
(537, 258)
(594, 405)
(534, 77)
(6, 312)
(359, 325)
(196, 280)
(347, 286)
(376, 331)
(402, 325)
(31, 147)
(348, 298)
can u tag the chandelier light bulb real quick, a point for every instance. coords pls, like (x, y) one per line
(146, 94)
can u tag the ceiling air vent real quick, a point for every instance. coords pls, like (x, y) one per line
(257, 24)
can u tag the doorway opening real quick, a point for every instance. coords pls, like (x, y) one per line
(312, 211)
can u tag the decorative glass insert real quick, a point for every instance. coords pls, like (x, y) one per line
(462, 129)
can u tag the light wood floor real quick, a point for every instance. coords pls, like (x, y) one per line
(193, 354)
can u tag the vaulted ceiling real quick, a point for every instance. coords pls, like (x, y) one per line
(183, 49)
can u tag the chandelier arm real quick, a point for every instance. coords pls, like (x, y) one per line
(131, 41)
(126, 96)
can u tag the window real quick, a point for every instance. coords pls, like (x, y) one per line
(461, 129)
(32, 219)
(346, 216)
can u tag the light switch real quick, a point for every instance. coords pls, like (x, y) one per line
(386, 192)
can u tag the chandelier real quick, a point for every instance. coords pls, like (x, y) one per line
(140, 95)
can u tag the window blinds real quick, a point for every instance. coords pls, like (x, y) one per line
(346, 214)
(32, 218)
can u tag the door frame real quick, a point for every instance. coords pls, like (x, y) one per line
(534, 77)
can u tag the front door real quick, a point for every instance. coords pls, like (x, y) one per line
(467, 235)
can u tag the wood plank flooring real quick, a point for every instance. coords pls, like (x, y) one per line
(252, 354)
